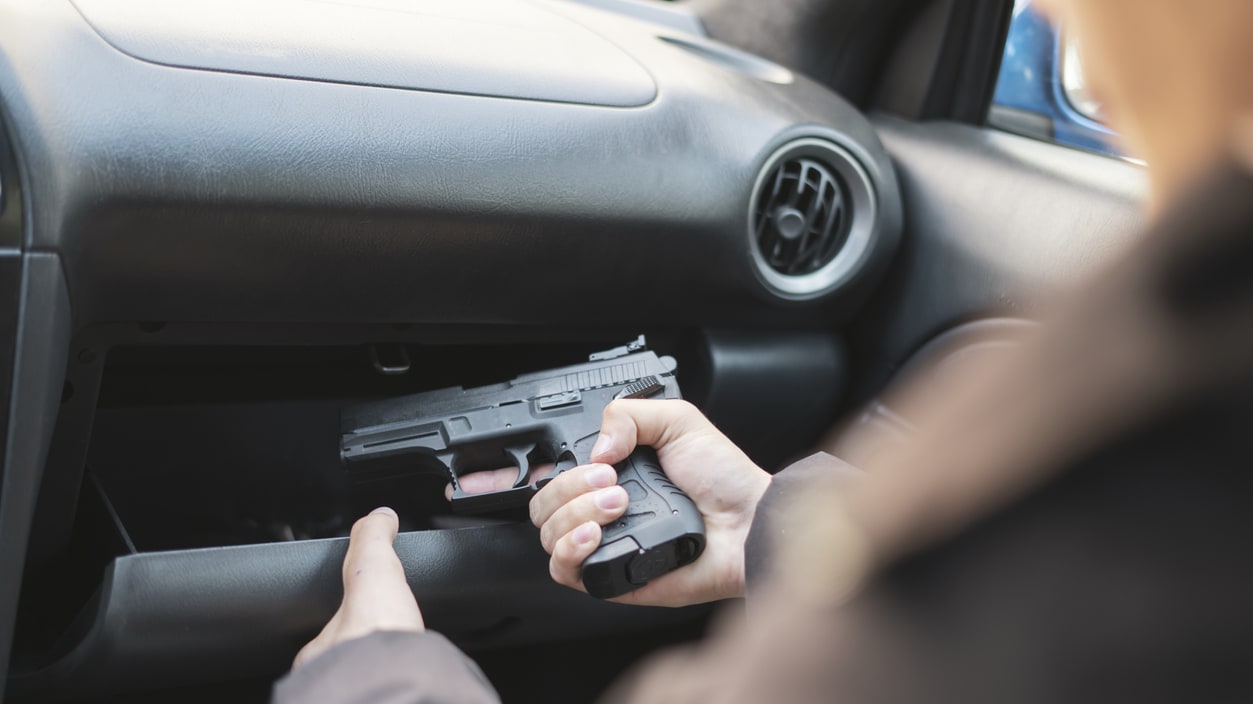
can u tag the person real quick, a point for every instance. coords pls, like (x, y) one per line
(1069, 524)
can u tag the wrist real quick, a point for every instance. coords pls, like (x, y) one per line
(738, 578)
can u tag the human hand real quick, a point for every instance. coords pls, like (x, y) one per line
(721, 480)
(376, 595)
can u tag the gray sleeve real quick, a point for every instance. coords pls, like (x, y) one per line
(387, 667)
(775, 519)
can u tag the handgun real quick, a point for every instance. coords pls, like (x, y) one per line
(550, 417)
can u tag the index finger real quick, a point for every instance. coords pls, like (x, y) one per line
(495, 480)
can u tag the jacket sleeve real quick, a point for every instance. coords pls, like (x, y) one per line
(775, 519)
(388, 667)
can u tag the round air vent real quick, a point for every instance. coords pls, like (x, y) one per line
(811, 218)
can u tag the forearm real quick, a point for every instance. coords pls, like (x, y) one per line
(775, 518)
(387, 667)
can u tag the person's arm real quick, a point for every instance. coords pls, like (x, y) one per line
(387, 667)
(376, 647)
(721, 480)
(776, 517)
(740, 502)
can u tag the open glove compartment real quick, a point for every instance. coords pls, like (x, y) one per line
(207, 528)
(210, 523)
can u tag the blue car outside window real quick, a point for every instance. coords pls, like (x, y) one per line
(1031, 93)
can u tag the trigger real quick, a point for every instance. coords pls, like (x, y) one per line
(519, 454)
(566, 461)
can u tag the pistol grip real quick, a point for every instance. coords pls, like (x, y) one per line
(661, 531)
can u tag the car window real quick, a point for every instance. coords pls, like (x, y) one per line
(1041, 91)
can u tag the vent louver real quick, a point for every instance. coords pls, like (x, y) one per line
(801, 217)
(811, 220)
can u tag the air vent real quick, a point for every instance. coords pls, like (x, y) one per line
(811, 218)
(801, 217)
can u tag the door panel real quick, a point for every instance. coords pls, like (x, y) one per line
(995, 224)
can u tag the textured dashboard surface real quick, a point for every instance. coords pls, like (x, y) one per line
(186, 617)
(1047, 217)
(220, 181)
(177, 194)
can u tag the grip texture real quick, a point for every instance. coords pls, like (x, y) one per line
(661, 531)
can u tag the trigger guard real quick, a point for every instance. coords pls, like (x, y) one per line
(519, 455)
(543, 481)
(565, 462)
(490, 500)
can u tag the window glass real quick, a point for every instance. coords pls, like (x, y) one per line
(1041, 91)
(1074, 84)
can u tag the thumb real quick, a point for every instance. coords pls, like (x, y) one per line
(376, 593)
(630, 422)
(371, 557)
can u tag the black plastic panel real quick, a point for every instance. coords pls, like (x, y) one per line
(192, 200)
(996, 224)
(209, 615)
(10, 284)
(10, 299)
(260, 406)
(10, 195)
(772, 395)
(39, 355)
(201, 447)
(190, 195)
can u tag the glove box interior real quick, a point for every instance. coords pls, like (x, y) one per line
(238, 474)
(208, 518)
(194, 511)
(203, 447)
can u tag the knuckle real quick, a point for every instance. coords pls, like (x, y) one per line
(683, 410)
(561, 550)
(562, 483)
(536, 508)
(546, 537)
(555, 571)
(614, 410)
(547, 500)
(586, 508)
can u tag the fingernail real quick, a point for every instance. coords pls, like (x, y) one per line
(603, 445)
(385, 511)
(610, 498)
(601, 476)
(584, 533)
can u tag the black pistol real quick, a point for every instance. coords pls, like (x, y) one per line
(551, 417)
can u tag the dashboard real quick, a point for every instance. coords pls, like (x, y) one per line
(263, 177)
(218, 216)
